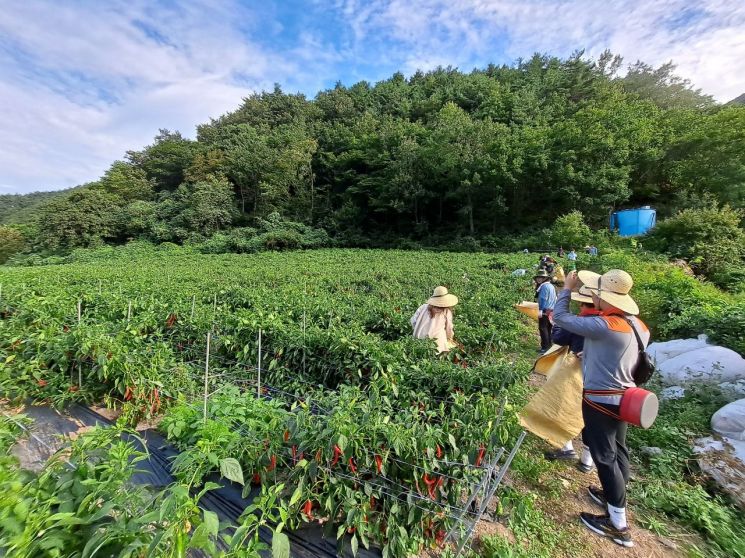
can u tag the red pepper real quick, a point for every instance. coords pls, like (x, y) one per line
(300, 456)
(438, 453)
(440, 536)
(73, 388)
(272, 463)
(350, 530)
(319, 455)
(431, 483)
(41, 383)
(128, 393)
(372, 502)
(307, 510)
(257, 478)
(480, 457)
(352, 466)
(287, 435)
(379, 463)
(337, 454)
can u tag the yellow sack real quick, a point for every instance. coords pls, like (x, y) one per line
(530, 309)
(559, 274)
(551, 360)
(555, 412)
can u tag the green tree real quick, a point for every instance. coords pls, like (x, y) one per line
(663, 87)
(83, 218)
(126, 181)
(11, 242)
(571, 231)
(204, 207)
(166, 160)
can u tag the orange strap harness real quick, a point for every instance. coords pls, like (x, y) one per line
(596, 405)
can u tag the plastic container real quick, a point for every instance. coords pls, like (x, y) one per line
(639, 407)
(633, 222)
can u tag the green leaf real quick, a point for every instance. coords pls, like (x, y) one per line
(355, 545)
(211, 522)
(280, 546)
(451, 438)
(342, 442)
(231, 470)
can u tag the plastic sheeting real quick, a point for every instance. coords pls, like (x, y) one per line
(729, 421)
(662, 351)
(710, 364)
(226, 502)
(555, 412)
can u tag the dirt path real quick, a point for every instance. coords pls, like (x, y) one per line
(574, 499)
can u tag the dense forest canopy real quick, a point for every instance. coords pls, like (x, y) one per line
(440, 154)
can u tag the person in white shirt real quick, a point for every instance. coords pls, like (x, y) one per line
(434, 319)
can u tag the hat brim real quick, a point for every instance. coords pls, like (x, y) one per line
(623, 302)
(581, 298)
(445, 301)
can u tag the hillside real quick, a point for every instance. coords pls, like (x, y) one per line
(24, 208)
(440, 157)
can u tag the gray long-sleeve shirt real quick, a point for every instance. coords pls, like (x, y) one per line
(610, 352)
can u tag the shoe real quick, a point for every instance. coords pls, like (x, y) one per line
(602, 525)
(560, 455)
(585, 468)
(598, 496)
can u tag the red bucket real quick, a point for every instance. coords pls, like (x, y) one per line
(639, 407)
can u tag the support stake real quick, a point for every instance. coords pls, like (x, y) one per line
(258, 368)
(207, 373)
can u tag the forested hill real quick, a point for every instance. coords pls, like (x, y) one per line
(24, 208)
(442, 154)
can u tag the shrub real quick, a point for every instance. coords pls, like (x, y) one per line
(711, 239)
(570, 231)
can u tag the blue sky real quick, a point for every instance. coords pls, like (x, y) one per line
(83, 81)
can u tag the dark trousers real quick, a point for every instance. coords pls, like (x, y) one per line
(606, 439)
(544, 328)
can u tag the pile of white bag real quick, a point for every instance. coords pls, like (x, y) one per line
(685, 361)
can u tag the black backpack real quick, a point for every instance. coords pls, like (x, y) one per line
(644, 368)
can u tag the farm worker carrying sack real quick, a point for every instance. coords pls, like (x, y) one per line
(610, 357)
(555, 412)
(434, 319)
(546, 295)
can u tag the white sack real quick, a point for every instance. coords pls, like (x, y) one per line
(729, 421)
(665, 350)
(710, 364)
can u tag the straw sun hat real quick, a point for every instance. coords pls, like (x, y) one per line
(442, 298)
(613, 287)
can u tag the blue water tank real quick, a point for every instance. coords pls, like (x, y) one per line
(633, 222)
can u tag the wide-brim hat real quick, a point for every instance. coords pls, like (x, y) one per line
(541, 273)
(581, 298)
(442, 298)
(613, 287)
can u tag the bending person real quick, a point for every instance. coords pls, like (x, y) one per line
(609, 357)
(434, 319)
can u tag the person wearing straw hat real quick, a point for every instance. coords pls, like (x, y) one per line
(609, 357)
(546, 295)
(576, 344)
(434, 319)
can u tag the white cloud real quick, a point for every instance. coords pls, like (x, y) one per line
(81, 83)
(705, 39)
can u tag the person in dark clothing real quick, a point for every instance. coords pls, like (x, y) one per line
(575, 342)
